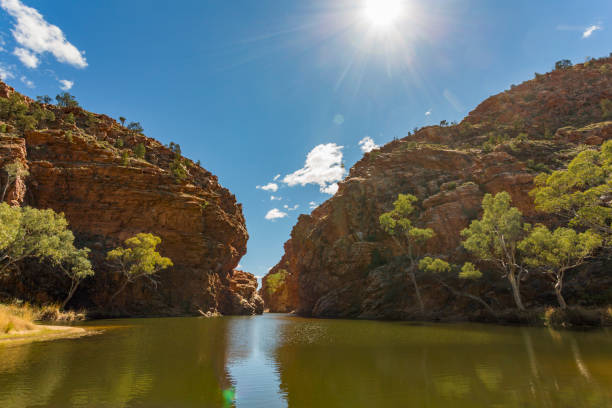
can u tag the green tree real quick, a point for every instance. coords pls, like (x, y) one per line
(495, 237)
(398, 224)
(554, 253)
(135, 127)
(66, 100)
(76, 266)
(13, 171)
(122, 120)
(582, 192)
(563, 64)
(125, 157)
(606, 108)
(437, 267)
(140, 150)
(46, 99)
(137, 259)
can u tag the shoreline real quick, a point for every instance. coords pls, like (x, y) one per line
(44, 333)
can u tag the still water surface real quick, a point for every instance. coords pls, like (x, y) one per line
(277, 361)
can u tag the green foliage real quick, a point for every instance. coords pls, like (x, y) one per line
(522, 137)
(135, 127)
(469, 271)
(553, 253)
(119, 143)
(178, 169)
(46, 99)
(138, 258)
(125, 157)
(397, 223)
(66, 100)
(122, 120)
(537, 167)
(580, 192)
(175, 148)
(140, 151)
(14, 109)
(606, 108)
(68, 136)
(434, 265)
(3, 128)
(12, 171)
(27, 232)
(69, 118)
(275, 280)
(563, 64)
(495, 237)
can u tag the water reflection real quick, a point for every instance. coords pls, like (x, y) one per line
(278, 361)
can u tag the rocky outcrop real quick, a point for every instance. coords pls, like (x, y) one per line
(85, 167)
(339, 263)
(242, 298)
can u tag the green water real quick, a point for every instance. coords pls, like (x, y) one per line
(277, 361)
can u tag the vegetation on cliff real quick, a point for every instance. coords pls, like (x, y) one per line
(112, 182)
(525, 176)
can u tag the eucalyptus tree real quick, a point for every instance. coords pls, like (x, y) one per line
(399, 225)
(495, 237)
(137, 259)
(555, 252)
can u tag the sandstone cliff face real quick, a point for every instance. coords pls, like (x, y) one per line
(78, 170)
(339, 262)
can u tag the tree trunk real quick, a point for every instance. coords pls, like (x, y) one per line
(6, 186)
(416, 289)
(73, 287)
(123, 285)
(467, 295)
(558, 290)
(516, 290)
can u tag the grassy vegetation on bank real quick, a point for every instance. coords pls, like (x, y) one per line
(17, 316)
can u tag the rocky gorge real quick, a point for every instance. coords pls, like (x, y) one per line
(83, 165)
(340, 263)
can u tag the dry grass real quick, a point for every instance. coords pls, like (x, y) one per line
(14, 319)
(18, 314)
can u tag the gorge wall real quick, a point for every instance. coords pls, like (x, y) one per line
(338, 261)
(83, 165)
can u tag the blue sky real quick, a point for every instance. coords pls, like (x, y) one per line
(250, 88)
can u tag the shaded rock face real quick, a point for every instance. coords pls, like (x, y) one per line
(242, 298)
(339, 263)
(78, 170)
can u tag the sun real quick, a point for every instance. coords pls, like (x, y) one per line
(382, 13)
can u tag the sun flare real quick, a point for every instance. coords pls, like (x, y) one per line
(382, 13)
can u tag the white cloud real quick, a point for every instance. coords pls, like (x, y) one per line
(37, 36)
(27, 82)
(65, 84)
(295, 207)
(27, 58)
(338, 119)
(331, 189)
(275, 198)
(323, 167)
(367, 144)
(312, 205)
(590, 30)
(276, 177)
(428, 113)
(269, 187)
(5, 72)
(275, 213)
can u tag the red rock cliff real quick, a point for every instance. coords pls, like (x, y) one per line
(79, 169)
(338, 262)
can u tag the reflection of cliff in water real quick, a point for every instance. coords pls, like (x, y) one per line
(343, 363)
(160, 363)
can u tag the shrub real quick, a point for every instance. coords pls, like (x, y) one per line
(563, 64)
(140, 150)
(46, 99)
(68, 136)
(125, 157)
(135, 127)
(66, 100)
(69, 118)
(3, 128)
(119, 143)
